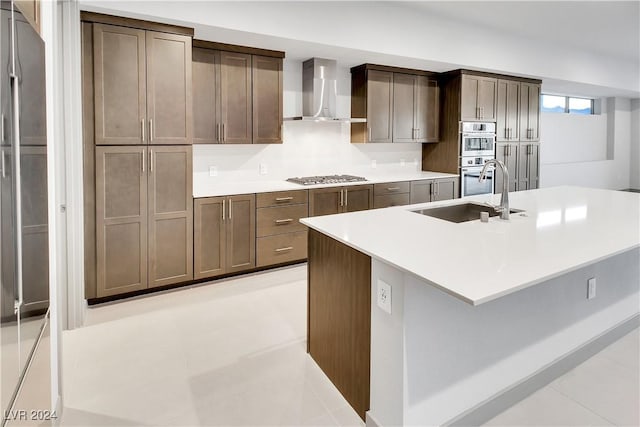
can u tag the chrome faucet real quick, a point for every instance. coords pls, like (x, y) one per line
(504, 201)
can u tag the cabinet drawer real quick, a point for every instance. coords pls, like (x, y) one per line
(387, 200)
(281, 198)
(281, 219)
(281, 248)
(391, 188)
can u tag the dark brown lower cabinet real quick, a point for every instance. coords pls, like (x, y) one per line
(144, 214)
(224, 235)
(327, 201)
(528, 166)
(430, 190)
(508, 154)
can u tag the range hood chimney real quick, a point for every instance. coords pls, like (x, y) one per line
(319, 92)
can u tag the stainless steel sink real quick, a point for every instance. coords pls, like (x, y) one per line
(462, 212)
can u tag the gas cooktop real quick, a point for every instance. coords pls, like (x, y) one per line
(325, 179)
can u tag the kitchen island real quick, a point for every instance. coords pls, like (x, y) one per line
(421, 321)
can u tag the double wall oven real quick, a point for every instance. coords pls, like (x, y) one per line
(477, 146)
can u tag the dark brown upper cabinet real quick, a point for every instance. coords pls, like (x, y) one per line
(415, 108)
(478, 97)
(372, 98)
(267, 92)
(237, 94)
(529, 112)
(206, 96)
(508, 107)
(400, 105)
(142, 86)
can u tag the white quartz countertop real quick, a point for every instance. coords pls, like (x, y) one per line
(205, 186)
(562, 229)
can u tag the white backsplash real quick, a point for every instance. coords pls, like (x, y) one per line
(309, 148)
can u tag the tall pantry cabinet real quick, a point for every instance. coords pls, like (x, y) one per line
(137, 119)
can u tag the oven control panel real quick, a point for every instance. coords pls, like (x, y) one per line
(474, 161)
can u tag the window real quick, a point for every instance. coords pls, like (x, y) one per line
(566, 104)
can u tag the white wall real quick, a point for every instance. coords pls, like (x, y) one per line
(591, 151)
(634, 180)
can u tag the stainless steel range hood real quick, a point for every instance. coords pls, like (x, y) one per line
(319, 92)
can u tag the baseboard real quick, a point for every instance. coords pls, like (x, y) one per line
(370, 421)
(497, 404)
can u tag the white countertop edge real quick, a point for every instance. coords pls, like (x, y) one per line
(466, 299)
(249, 187)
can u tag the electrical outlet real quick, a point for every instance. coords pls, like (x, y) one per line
(213, 171)
(263, 169)
(591, 288)
(384, 296)
(415, 162)
(402, 162)
(374, 164)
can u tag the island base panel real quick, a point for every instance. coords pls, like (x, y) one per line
(339, 316)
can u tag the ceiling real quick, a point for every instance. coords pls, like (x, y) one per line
(604, 27)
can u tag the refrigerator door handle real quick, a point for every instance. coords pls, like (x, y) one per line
(18, 186)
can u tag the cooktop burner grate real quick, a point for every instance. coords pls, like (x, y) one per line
(325, 179)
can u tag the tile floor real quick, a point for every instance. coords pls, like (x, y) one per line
(234, 353)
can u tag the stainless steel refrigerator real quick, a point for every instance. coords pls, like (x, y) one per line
(24, 261)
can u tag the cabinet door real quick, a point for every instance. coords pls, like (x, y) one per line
(404, 104)
(241, 232)
(478, 98)
(235, 96)
(121, 219)
(529, 112)
(206, 96)
(421, 191)
(325, 201)
(445, 189)
(170, 215)
(469, 98)
(487, 89)
(169, 106)
(507, 108)
(267, 99)
(534, 166)
(209, 237)
(358, 198)
(119, 65)
(379, 106)
(508, 154)
(528, 167)
(428, 110)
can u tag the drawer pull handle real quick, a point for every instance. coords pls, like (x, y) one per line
(288, 248)
(283, 199)
(393, 188)
(283, 221)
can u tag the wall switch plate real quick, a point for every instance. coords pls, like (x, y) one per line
(213, 171)
(374, 164)
(591, 288)
(263, 169)
(384, 296)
